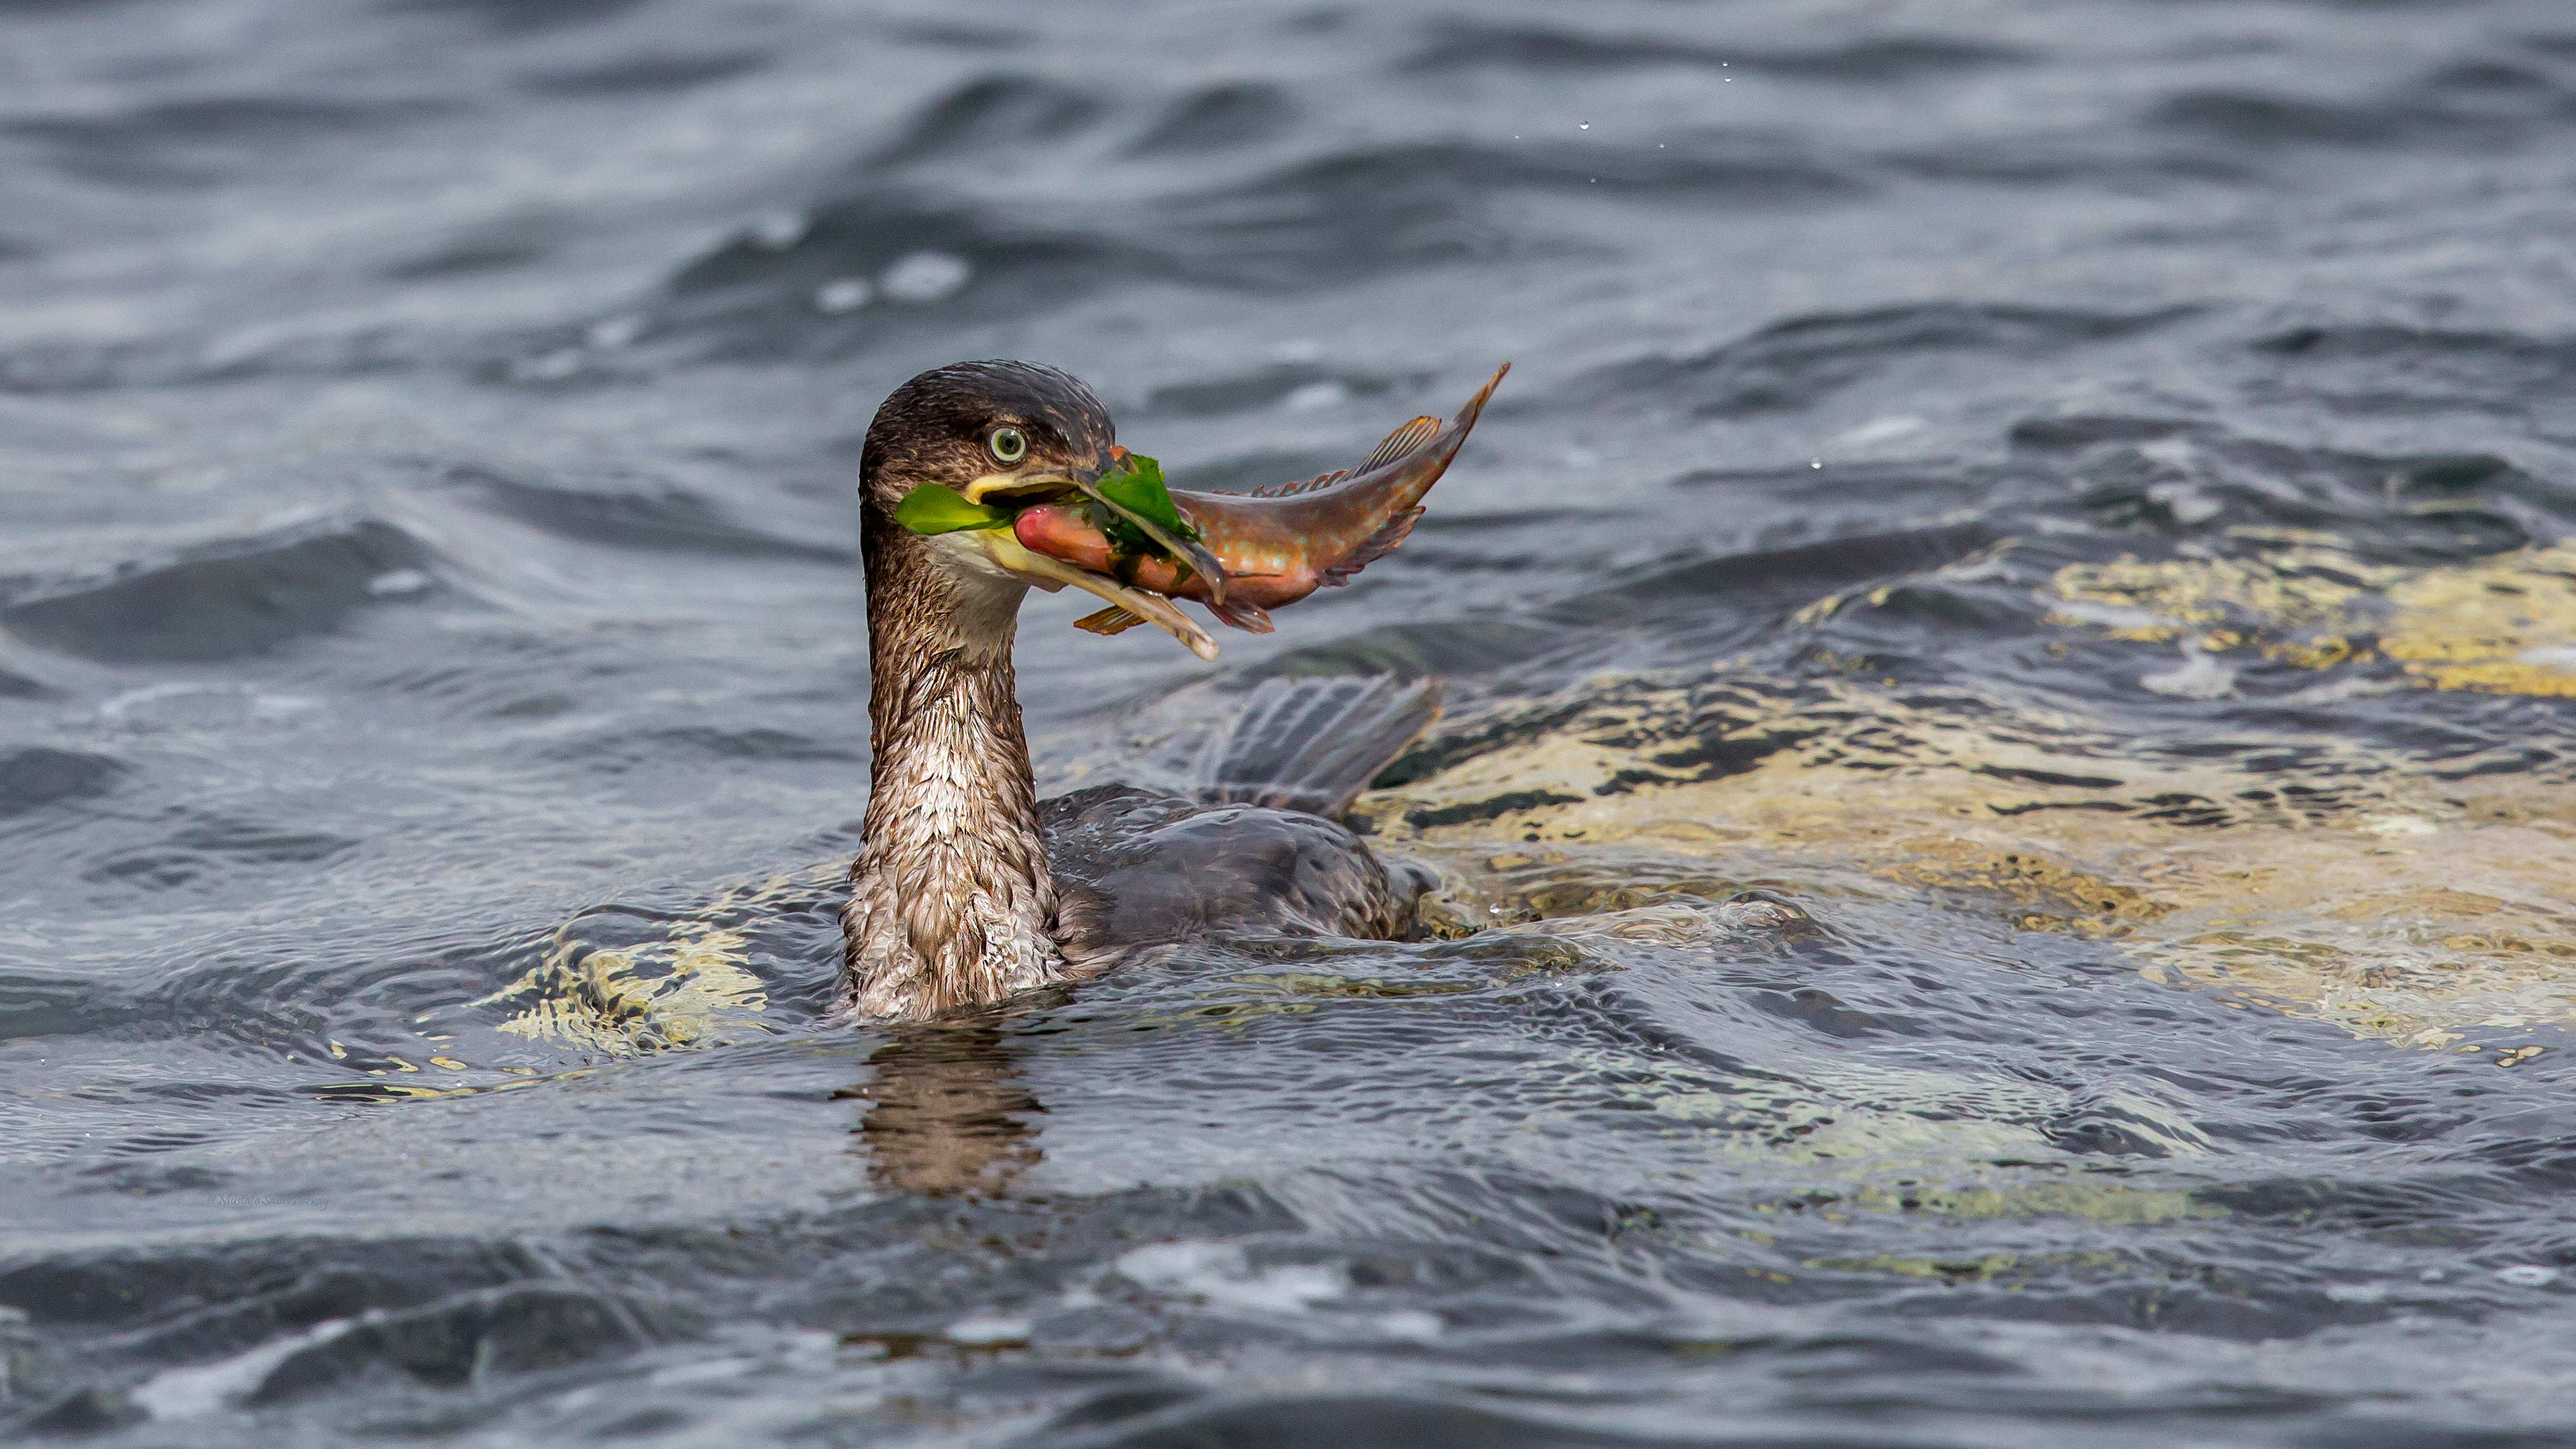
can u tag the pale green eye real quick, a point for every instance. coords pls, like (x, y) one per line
(1009, 445)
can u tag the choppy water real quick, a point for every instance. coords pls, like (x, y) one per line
(2076, 496)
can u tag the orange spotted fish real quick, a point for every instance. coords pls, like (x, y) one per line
(1274, 545)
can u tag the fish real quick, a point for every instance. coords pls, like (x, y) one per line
(1272, 546)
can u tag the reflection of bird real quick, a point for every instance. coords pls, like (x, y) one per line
(966, 889)
(948, 1114)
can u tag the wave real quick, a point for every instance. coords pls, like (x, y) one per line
(664, 520)
(989, 113)
(35, 777)
(230, 599)
(1878, 60)
(202, 141)
(648, 73)
(1793, 364)
(1218, 118)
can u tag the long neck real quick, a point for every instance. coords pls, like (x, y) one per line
(951, 903)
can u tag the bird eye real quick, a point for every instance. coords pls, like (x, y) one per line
(1009, 444)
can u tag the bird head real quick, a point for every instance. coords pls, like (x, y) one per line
(999, 435)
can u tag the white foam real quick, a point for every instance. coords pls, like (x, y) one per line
(2200, 677)
(778, 230)
(201, 1389)
(1220, 1274)
(845, 294)
(989, 1328)
(1316, 395)
(611, 333)
(925, 276)
(1882, 430)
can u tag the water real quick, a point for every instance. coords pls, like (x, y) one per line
(2076, 497)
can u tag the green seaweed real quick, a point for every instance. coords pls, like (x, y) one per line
(935, 508)
(1133, 509)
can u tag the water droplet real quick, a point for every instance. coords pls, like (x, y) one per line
(845, 294)
(1583, 125)
(1815, 462)
(925, 277)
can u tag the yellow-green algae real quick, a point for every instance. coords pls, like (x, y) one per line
(2334, 878)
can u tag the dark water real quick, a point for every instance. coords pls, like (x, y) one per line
(2075, 496)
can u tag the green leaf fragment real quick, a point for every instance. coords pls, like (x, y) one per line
(1139, 491)
(1134, 510)
(935, 508)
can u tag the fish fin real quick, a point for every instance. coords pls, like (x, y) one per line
(1372, 548)
(1283, 490)
(1402, 441)
(1315, 744)
(1250, 617)
(1112, 620)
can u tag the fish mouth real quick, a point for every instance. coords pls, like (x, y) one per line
(1060, 486)
(1070, 488)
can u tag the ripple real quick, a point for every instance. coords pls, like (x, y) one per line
(752, 297)
(1270, 386)
(35, 777)
(199, 142)
(520, 1329)
(1879, 60)
(1793, 364)
(2262, 118)
(668, 519)
(990, 113)
(2372, 365)
(1219, 118)
(228, 600)
(1260, 1423)
(649, 73)
(525, 17)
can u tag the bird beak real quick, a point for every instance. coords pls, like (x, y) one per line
(1039, 571)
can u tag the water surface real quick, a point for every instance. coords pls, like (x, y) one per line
(2077, 498)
